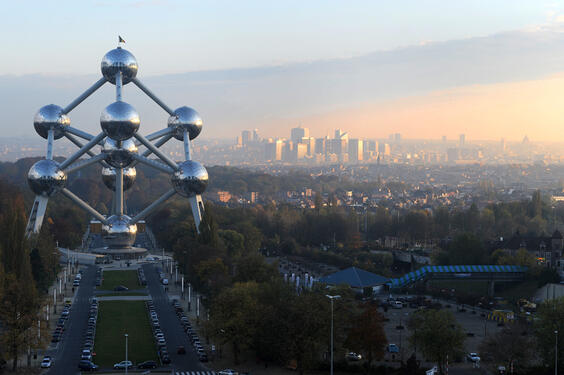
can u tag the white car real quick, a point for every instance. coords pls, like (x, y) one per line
(352, 356)
(228, 371)
(123, 364)
(47, 362)
(165, 281)
(473, 357)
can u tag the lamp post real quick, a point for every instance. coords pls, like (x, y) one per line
(126, 353)
(555, 352)
(332, 298)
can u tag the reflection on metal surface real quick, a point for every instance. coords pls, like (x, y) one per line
(120, 121)
(51, 117)
(190, 179)
(45, 178)
(185, 118)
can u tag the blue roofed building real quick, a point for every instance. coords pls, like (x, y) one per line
(356, 278)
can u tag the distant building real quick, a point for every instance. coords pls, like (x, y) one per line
(223, 196)
(356, 152)
(320, 146)
(297, 134)
(461, 140)
(273, 150)
(246, 137)
(256, 136)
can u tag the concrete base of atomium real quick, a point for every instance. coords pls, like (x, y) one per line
(122, 253)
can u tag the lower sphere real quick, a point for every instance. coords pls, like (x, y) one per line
(45, 178)
(190, 179)
(119, 232)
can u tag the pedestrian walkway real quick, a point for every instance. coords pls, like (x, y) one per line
(195, 373)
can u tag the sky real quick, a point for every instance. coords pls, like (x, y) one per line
(422, 68)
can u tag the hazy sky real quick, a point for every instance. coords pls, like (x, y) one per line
(422, 68)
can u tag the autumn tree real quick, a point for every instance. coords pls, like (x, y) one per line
(513, 346)
(437, 334)
(550, 316)
(366, 334)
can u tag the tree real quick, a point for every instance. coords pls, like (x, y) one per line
(437, 334)
(467, 249)
(234, 316)
(512, 346)
(367, 334)
(550, 319)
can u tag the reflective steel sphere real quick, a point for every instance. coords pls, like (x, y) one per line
(119, 156)
(185, 118)
(119, 233)
(118, 60)
(120, 121)
(46, 178)
(109, 177)
(50, 117)
(190, 179)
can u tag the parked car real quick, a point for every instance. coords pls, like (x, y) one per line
(121, 288)
(47, 362)
(228, 371)
(87, 366)
(147, 364)
(165, 281)
(473, 357)
(352, 356)
(180, 350)
(392, 348)
(123, 364)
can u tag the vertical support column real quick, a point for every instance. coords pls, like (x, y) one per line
(197, 210)
(187, 145)
(119, 85)
(118, 198)
(50, 139)
(491, 288)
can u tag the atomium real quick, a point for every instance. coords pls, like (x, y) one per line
(109, 178)
(185, 118)
(191, 179)
(119, 232)
(119, 121)
(122, 148)
(50, 117)
(45, 178)
(119, 156)
(117, 61)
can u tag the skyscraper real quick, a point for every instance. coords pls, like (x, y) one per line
(355, 150)
(296, 134)
(246, 136)
(461, 140)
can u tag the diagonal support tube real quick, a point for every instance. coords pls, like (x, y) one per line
(78, 133)
(154, 164)
(159, 143)
(93, 142)
(156, 151)
(82, 204)
(84, 95)
(153, 206)
(160, 133)
(118, 193)
(84, 163)
(152, 96)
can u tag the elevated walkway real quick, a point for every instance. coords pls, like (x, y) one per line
(472, 272)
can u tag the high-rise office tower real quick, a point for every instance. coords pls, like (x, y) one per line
(246, 136)
(461, 140)
(355, 150)
(296, 134)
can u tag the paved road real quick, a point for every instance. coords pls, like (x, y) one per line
(170, 325)
(67, 353)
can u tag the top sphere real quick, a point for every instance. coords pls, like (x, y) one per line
(119, 60)
(50, 117)
(120, 121)
(185, 118)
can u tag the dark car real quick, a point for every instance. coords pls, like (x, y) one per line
(147, 364)
(203, 357)
(165, 360)
(120, 288)
(87, 366)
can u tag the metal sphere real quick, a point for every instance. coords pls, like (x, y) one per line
(190, 179)
(119, 232)
(119, 60)
(119, 156)
(185, 118)
(119, 121)
(46, 178)
(109, 178)
(50, 117)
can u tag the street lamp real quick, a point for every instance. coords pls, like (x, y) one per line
(126, 366)
(556, 353)
(332, 298)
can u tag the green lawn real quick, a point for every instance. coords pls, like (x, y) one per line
(115, 278)
(115, 318)
(114, 294)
